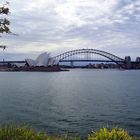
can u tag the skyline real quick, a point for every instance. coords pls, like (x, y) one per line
(60, 25)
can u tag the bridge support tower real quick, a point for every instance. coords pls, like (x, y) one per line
(72, 64)
(128, 62)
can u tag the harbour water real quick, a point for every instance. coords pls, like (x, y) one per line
(77, 101)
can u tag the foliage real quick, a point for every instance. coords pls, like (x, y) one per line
(106, 134)
(4, 23)
(4, 9)
(12, 132)
(4, 26)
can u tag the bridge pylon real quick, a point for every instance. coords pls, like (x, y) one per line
(71, 64)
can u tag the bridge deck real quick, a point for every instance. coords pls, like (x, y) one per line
(88, 61)
(76, 60)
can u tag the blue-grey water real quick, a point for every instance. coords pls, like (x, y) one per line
(77, 101)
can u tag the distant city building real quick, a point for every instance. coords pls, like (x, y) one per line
(138, 59)
(43, 59)
(128, 62)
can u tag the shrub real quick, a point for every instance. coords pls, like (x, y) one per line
(12, 132)
(107, 134)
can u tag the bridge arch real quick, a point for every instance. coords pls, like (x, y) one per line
(68, 54)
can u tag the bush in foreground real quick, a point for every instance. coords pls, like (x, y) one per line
(25, 133)
(113, 134)
(12, 132)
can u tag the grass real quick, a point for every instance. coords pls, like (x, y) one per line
(12, 132)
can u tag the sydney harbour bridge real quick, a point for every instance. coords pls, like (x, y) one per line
(90, 55)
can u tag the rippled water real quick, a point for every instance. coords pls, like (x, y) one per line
(76, 101)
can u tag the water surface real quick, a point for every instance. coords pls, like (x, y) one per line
(77, 101)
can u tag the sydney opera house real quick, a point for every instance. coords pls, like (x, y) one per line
(43, 60)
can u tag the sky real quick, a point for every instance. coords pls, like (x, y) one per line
(57, 26)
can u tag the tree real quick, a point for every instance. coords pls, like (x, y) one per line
(4, 22)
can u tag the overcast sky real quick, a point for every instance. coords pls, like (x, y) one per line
(59, 25)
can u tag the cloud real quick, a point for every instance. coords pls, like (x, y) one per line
(54, 25)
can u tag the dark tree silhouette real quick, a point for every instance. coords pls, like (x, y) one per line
(4, 22)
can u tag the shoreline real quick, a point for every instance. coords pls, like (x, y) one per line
(33, 69)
